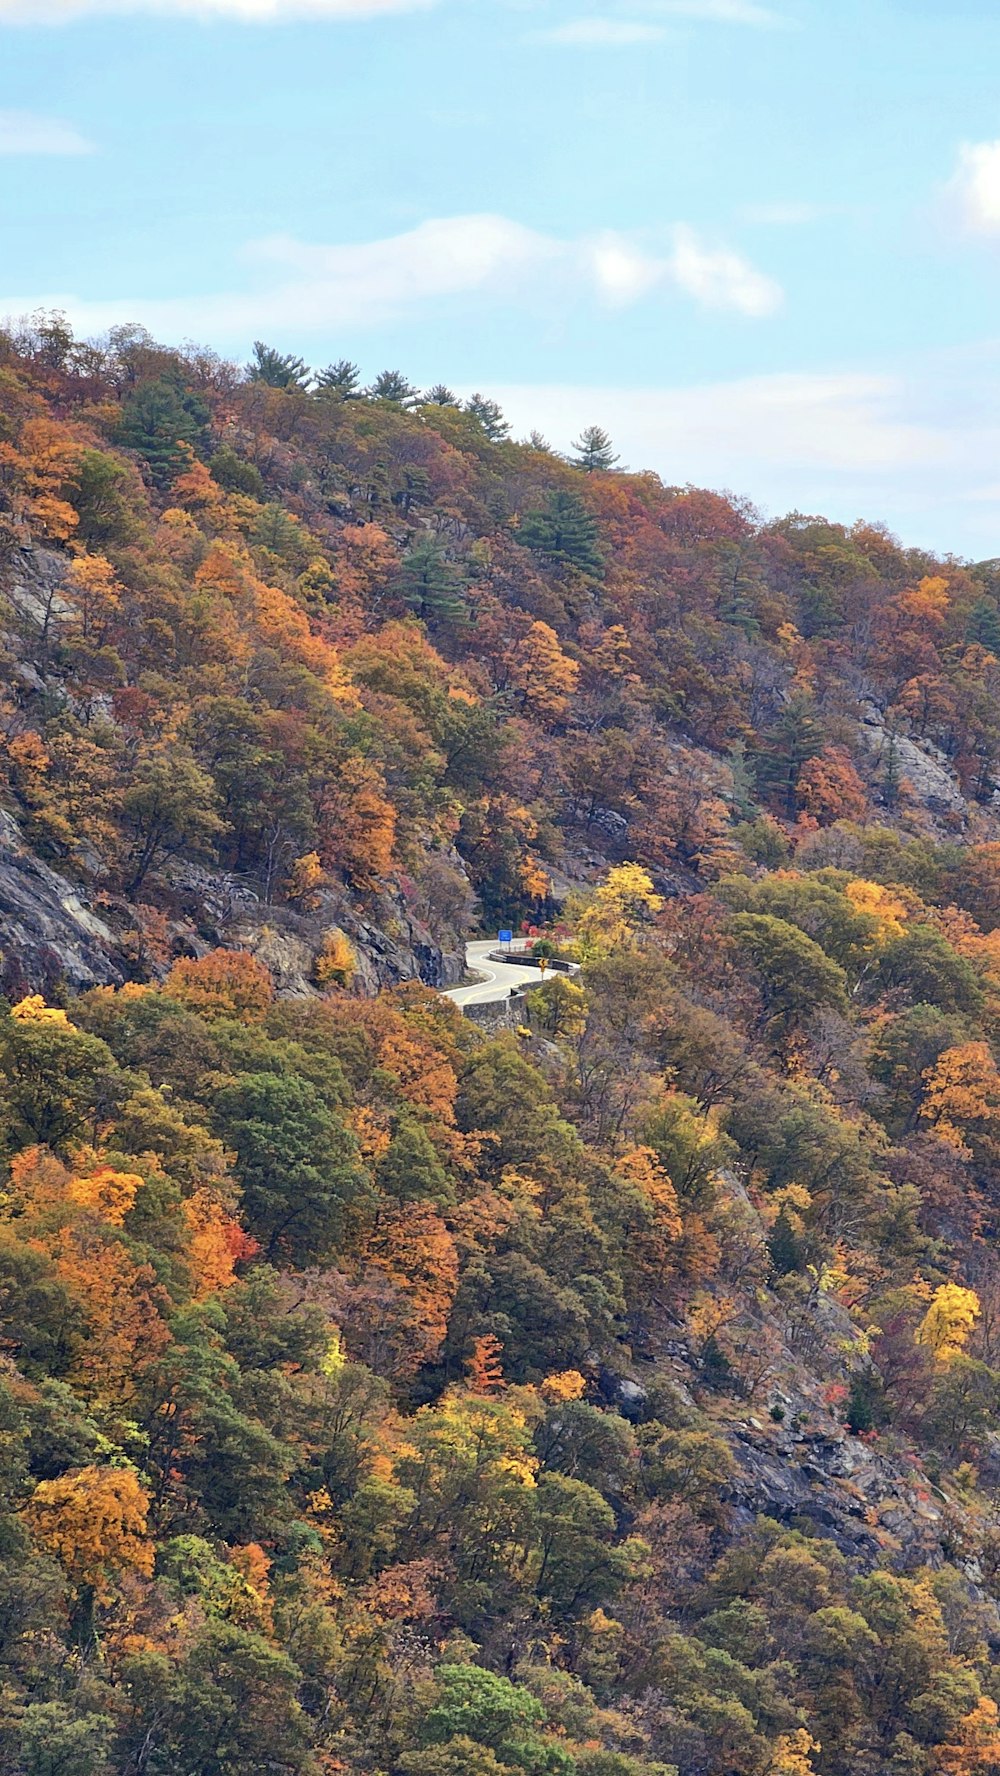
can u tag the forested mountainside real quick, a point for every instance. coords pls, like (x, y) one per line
(615, 1396)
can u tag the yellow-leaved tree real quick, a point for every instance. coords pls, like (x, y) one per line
(94, 1522)
(962, 1100)
(792, 1754)
(621, 904)
(945, 1327)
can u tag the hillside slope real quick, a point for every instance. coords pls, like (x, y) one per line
(613, 1397)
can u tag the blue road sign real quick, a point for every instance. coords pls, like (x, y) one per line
(506, 937)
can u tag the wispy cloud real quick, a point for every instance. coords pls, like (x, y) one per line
(602, 33)
(719, 278)
(973, 192)
(847, 444)
(300, 288)
(23, 132)
(905, 444)
(260, 12)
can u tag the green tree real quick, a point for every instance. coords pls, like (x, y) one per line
(392, 385)
(784, 1245)
(904, 1049)
(230, 1708)
(983, 625)
(923, 963)
(56, 1741)
(431, 584)
(564, 532)
(578, 1566)
(235, 474)
(796, 737)
(170, 806)
(57, 1083)
(341, 380)
(490, 416)
(483, 1705)
(410, 1170)
(100, 494)
(796, 976)
(296, 1161)
(281, 370)
(216, 1467)
(594, 450)
(157, 421)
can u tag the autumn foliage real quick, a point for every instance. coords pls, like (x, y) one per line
(613, 1392)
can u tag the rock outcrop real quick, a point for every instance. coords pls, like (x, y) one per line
(47, 931)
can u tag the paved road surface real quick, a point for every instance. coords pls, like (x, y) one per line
(498, 977)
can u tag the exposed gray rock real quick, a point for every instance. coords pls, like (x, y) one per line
(924, 766)
(32, 588)
(46, 930)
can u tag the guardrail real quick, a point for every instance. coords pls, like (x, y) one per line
(524, 959)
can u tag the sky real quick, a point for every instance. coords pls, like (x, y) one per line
(757, 240)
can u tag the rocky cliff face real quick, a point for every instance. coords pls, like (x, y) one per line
(59, 932)
(48, 932)
(52, 937)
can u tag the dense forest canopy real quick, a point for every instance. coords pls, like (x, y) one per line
(613, 1394)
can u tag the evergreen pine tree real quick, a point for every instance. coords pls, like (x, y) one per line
(392, 385)
(441, 396)
(984, 625)
(278, 369)
(796, 737)
(594, 450)
(564, 531)
(431, 585)
(736, 602)
(341, 379)
(490, 416)
(157, 420)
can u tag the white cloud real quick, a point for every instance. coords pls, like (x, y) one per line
(298, 288)
(602, 33)
(906, 447)
(622, 272)
(719, 278)
(973, 193)
(262, 12)
(22, 132)
(740, 431)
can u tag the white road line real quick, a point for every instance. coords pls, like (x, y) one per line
(497, 983)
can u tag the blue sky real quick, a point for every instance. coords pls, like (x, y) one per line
(759, 240)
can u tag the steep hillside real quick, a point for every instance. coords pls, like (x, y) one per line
(619, 1396)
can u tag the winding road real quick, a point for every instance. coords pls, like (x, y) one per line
(498, 977)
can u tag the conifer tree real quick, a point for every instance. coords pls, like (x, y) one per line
(565, 533)
(392, 385)
(594, 450)
(278, 369)
(490, 416)
(341, 379)
(157, 421)
(431, 584)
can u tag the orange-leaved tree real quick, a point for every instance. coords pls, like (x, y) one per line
(962, 1101)
(94, 1521)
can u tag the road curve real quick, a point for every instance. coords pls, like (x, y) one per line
(498, 977)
